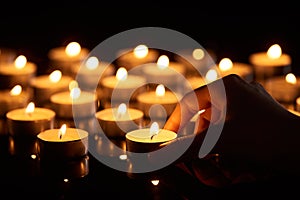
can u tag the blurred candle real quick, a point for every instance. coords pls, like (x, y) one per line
(29, 121)
(17, 73)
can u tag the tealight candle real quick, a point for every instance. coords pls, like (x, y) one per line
(140, 55)
(74, 103)
(65, 57)
(270, 63)
(13, 99)
(148, 139)
(17, 73)
(159, 103)
(46, 85)
(29, 121)
(226, 67)
(62, 144)
(91, 72)
(122, 87)
(117, 121)
(165, 72)
(284, 88)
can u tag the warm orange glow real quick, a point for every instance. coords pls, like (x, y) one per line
(73, 84)
(274, 51)
(163, 62)
(73, 49)
(140, 51)
(15, 91)
(291, 78)
(62, 131)
(20, 62)
(160, 90)
(225, 64)
(30, 108)
(198, 54)
(92, 63)
(55, 76)
(121, 74)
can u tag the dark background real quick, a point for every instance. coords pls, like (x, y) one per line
(34, 28)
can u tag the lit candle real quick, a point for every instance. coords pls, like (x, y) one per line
(17, 73)
(91, 72)
(285, 89)
(159, 103)
(270, 63)
(62, 144)
(148, 139)
(117, 121)
(122, 87)
(29, 121)
(137, 56)
(165, 72)
(74, 103)
(46, 85)
(65, 57)
(226, 67)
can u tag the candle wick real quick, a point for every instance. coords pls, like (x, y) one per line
(153, 136)
(60, 136)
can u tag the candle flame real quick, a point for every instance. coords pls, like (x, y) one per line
(15, 91)
(73, 84)
(211, 75)
(225, 64)
(155, 182)
(75, 93)
(160, 90)
(274, 51)
(73, 49)
(55, 76)
(291, 78)
(163, 62)
(30, 108)
(62, 131)
(198, 54)
(92, 63)
(154, 129)
(20, 62)
(122, 109)
(121, 74)
(141, 51)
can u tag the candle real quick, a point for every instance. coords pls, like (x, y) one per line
(29, 121)
(159, 103)
(46, 85)
(74, 103)
(91, 72)
(13, 99)
(270, 63)
(62, 144)
(117, 121)
(141, 54)
(122, 87)
(226, 67)
(148, 139)
(65, 57)
(165, 72)
(17, 73)
(285, 89)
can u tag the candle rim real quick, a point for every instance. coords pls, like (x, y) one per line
(111, 112)
(9, 115)
(82, 134)
(130, 137)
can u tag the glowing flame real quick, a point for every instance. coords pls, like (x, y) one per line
(92, 63)
(75, 93)
(30, 108)
(211, 75)
(198, 54)
(225, 64)
(73, 49)
(141, 51)
(274, 51)
(15, 91)
(121, 74)
(122, 108)
(291, 78)
(154, 129)
(155, 182)
(55, 76)
(163, 62)
(62, 131)
(73, 84)
(123, 157)
(20, 62)
(160, 90)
